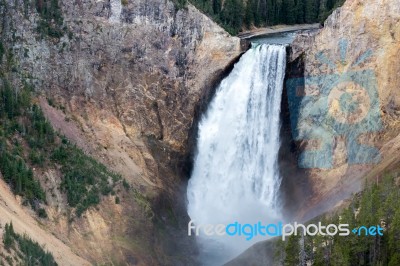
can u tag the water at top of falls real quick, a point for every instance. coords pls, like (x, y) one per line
(276, 38)
(116, 9)
(235, 175)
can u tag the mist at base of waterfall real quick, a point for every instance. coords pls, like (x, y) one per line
(235, 176)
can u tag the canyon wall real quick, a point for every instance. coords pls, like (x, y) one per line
(340, 111)
(124, 81)
(344, 103)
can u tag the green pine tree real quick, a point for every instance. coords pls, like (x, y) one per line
(271, 12)
(8, 237)
(292, 251)
(290, 11)
(310, 11)
(300, 9)
(249, 14)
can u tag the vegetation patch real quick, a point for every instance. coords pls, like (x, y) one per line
(28, 252)
(237, 15)
(377, 205)
(51, 19)
(18, 118)
(27, 141)
(85, 179)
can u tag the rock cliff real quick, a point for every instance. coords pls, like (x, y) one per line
(124, 80)
(341, 112)
(344, 105)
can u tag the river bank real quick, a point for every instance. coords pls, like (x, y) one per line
(277, 29)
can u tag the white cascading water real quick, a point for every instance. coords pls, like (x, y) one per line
(116, 9)
(236, 175)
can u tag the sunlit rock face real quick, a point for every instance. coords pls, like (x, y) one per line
(147, 57)
(345, 113)
(128, 78)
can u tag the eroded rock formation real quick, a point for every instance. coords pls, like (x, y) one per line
(347, 125)
(126, 81)
(355, 55)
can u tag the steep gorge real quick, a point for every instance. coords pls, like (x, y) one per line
(323, 161)
(358, 46)
(126, 88)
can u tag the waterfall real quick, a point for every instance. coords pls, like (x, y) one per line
(116, 9)
(235, 175)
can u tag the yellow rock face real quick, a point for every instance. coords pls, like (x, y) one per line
(354, 60)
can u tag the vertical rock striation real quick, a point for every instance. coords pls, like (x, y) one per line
(128, 78)
(345, 114)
